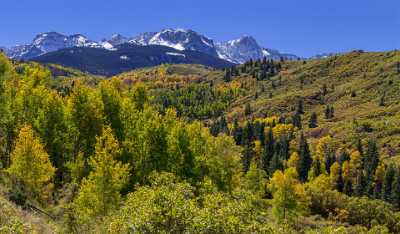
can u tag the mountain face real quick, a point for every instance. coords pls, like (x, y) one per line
(246, 48)
(49, 42)
(178, 39)
(126, 57)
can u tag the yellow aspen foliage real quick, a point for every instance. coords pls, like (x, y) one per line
(380, 173)
(162, 71)
(324, 148)
(31, 164)
(293, 160)
(282, 130)
(269, 121)
(257, 150)
(334, 172)
(289, 195)
(355, 163)
(346, 170)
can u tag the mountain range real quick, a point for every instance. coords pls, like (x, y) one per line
(234, 51)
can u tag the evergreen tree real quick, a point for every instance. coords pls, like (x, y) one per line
(348, 187)
(329, 112)
(359, 185)
(269, 150)
(275, 164)
(313, 121)
(343, 157)
(305, 159)
(296, 120)
(247, 109)
(371, 160)
(300, 108)
(227, 76)
(395, 196)
(387, 184)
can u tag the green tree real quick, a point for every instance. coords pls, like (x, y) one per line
(395, 196)
(305, 159)
(112, 108)
(247, 109)
(387, 183)
(84, 113)
(313, 122)
(99, 193)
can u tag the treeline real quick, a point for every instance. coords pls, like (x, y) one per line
(260, 69)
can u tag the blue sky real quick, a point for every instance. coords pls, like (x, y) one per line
(302, 27)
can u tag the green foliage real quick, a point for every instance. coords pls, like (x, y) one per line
(100, 191)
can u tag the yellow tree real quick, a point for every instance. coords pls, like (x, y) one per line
(31, 164)
(293, 160)
(100, 191)
(289, 196)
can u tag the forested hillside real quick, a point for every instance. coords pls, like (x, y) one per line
(264, 147)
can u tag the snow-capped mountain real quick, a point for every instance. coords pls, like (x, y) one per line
(49, 42)
(235, 51)
(179, 39)
(117, 39)
(246, 48)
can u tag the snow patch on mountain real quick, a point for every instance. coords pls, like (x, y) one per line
(175, 54)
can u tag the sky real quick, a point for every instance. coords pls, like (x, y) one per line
(301, 27)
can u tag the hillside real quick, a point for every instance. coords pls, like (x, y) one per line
(126, 57)
(372, 77)
(184, 148)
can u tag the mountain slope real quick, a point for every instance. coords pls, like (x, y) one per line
(246, 48)
(126, 57)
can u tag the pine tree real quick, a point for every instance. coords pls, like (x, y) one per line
(247, 109)
(348, 187)
(296, 120)
(300, 108)
(371, 160)
(395, 196)
(359, 185)
(387, 184)
(305, 159)
(313, 121)
(100, 192)
(275, 164)
(227, 77)
(269, 150)
(31, 164)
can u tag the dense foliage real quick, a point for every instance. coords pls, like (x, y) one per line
(132, 154)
